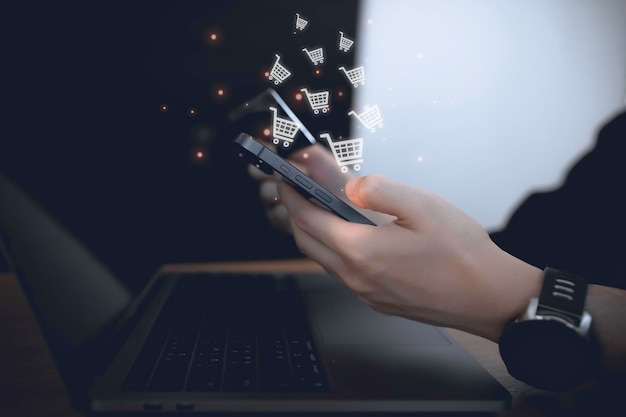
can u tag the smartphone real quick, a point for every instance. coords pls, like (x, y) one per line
(254, 152)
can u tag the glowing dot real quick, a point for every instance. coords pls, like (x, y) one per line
(247, 104)
(267, 74)
(420, 56)
(420, 159)
(370, 21)
(340, 94)
(275, 198)
(164, 107)
(298, 96)
(317, 72)
(192, 111)
(199, 154)
(220, 92)
(305, 155)
(266, 131)
(213, 36)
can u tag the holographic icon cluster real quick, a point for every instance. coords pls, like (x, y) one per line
(347, 152)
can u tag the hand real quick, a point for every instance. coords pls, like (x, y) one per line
(315, 161)
(432, 263)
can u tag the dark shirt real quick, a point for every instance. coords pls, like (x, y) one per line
(580, 226)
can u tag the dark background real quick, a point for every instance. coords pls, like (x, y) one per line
(84, 132)
(86, 136)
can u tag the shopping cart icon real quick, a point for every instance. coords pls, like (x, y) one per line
(300, 22)
(344, 43)
(370, 118)
(318, 101)
(355, 75)
(347, 152)
(316, 55)
(283, 129)
(278, 73)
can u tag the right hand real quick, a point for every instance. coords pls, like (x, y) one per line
(316, 162)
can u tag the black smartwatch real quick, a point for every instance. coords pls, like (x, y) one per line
(549, 346)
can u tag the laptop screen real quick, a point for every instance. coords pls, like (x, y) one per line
(487, 96)
(73, 295)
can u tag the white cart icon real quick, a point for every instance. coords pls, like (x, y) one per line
(316, 55)
(355, 75)
(344, 43)
(283, 129)
(370, 118)
(347, 152)
(318, 101)
(300, 22)
(278, 73)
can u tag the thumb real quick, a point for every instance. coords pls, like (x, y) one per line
(382, 194)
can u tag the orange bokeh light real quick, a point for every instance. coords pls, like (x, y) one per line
(267, 131)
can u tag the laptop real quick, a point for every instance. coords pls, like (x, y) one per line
(228, 341)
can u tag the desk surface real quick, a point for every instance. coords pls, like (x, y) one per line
(31, 386)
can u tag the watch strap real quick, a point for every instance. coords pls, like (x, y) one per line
(563, 294)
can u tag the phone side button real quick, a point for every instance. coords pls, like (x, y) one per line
(285, 168)
(321, 194)
(302, 181)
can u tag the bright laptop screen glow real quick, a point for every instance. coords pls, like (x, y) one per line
(486, 101)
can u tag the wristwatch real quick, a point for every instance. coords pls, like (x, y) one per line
(549, 346)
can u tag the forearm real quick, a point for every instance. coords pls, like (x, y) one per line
(607, 307)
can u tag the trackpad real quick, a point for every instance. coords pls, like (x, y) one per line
(342, 319)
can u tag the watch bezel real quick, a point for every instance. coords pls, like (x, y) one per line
(582, 328)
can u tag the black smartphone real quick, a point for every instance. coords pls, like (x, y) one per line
(254, 152)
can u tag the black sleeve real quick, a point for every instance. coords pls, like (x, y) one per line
(578, 227)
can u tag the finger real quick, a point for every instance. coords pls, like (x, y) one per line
(268, 192)
(382, 194)
(316, 250)
(278, 217)
(258, 175)
(319, 223)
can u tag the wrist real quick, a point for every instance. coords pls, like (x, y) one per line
(509, 286)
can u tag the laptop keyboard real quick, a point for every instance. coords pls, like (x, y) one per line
(235, 333)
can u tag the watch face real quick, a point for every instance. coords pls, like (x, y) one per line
(547, 354)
